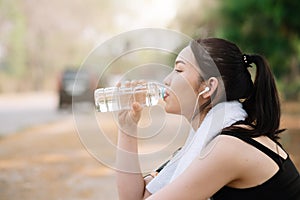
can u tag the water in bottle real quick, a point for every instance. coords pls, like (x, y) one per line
(121, 98)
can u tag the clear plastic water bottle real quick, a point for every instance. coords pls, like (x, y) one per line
(121, 98)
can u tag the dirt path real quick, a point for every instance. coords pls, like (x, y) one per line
(46, 163)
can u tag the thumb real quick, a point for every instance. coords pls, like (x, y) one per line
(137, 110)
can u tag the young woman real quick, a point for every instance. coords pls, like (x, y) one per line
(234, 152)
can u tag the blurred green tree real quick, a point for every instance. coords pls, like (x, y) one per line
(12, 21)
(268, 27)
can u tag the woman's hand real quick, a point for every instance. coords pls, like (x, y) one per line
(128, 119)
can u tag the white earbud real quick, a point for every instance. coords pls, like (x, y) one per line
(206, 89)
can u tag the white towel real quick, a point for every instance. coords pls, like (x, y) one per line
(220, 116)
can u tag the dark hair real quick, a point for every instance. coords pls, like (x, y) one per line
(259, 98)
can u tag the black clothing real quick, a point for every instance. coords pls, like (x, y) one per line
(284, 185)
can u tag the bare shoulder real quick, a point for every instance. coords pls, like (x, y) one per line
(241, 155)
(231, 156)
(224, 146)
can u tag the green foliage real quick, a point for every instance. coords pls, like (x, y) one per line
(289, 90)
(16, 58)
(267, 27)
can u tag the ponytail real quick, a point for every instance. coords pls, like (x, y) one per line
(263, 105)
(260, 97)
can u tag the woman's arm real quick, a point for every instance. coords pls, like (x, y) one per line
(130, 182)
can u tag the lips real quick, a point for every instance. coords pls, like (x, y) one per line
(166, 94)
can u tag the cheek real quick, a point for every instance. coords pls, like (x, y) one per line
(182, 98)
(187, 99)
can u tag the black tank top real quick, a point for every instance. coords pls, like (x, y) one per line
(284, 185)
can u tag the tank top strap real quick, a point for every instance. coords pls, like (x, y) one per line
(274, 156)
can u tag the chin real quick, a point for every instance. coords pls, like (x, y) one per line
(171, 110)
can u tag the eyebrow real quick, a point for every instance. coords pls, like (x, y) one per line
(179, 61)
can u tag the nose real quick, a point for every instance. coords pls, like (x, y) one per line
(167, 79)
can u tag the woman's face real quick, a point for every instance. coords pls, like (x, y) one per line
(182, 85)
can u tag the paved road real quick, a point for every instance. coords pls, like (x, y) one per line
(20, 111)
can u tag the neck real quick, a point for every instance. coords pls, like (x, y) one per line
(199, 114)
(198, 119)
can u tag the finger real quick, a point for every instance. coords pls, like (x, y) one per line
(136, 107)
(136, 112)
(142, 81)
(134, 83)
(127, 84)
(118, 84)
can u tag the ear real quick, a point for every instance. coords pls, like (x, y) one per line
(212, 83)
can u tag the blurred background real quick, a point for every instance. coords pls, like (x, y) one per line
(44, 43)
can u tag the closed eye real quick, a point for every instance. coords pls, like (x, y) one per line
(177, 63)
